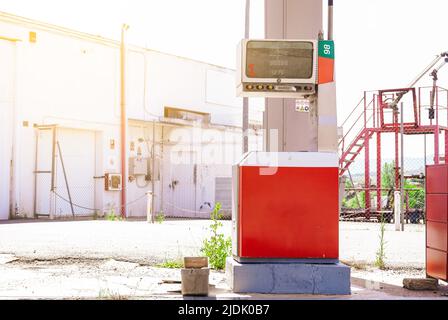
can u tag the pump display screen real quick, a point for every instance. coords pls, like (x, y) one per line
(279, 59)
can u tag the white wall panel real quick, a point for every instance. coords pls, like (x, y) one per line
(7, 67)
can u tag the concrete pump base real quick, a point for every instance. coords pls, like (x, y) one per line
(288, 278)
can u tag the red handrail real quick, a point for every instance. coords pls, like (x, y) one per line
(356, 121)
(354, 109)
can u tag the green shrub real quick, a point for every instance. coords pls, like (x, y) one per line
(416, 195)
(160, 217)
(217, 248)
(110, 216)
(171, 264)
(358, 201)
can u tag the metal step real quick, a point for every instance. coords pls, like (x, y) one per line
(350, 161)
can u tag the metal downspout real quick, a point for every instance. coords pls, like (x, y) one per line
(123, 119)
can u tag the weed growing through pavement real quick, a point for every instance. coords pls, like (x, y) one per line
(217, 248)
(380, 261)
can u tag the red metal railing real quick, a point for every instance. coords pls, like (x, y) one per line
(378, 112)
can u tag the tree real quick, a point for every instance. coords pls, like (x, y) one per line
(388, 175)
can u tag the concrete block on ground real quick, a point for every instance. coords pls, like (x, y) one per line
(421, 284)
(288, 278)
(195, 281)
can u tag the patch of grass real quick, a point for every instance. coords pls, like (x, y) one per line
(171, 264)
(111, 216)
(108, 294)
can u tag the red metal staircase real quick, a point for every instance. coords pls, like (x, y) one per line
(354, 149)
(357, 144)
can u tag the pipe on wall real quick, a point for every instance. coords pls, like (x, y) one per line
(246, 100)
(123, 120)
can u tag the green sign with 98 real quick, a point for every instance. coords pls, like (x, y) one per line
(326, 49)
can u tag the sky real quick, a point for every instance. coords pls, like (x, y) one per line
(379, 44)
(206, 30)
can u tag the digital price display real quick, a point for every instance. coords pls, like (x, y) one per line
(277, 68)
(279, 60)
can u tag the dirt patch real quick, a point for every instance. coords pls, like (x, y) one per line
(7, 258)
(54, 261)
(71, 278)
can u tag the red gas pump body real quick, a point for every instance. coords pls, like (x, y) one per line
(292, 213)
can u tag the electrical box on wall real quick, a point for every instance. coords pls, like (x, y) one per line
(144, 167)
(138, 166)
(113, 182)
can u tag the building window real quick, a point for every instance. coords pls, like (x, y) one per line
(188, 115)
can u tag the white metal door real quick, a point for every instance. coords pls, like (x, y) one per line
(43, 200)
(7, 69)
(181, 186)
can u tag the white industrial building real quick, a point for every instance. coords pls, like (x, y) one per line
(60, 126)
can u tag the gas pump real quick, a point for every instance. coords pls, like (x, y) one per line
(285, 200)
(286, 204)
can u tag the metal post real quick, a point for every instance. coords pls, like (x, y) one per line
(53, 174)
(424, 180)
(149, 215)
(36, 153)
(436, 145)
(123, 118)
(153, 171)
(246, 100)
(424, 145)
(397, 210)
(402, 167)
(397, 170)
(437, 131)
(53, 160)
(367, 175)
(378, 171)
(365, 109)
(330, 19)
(419, 106)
